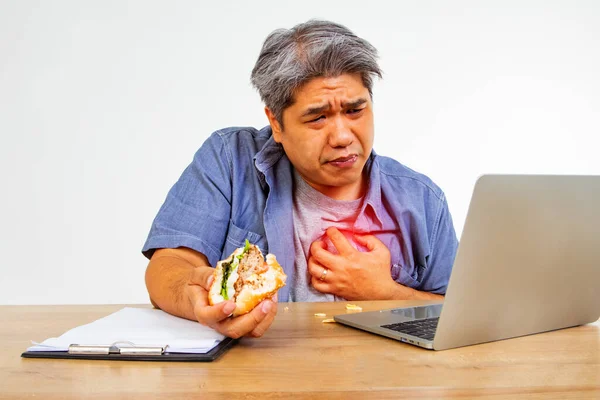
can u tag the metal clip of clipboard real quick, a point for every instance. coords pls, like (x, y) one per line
(130, 349)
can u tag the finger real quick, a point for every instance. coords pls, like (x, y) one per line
(320, 285)
(325, 258)
(244, 324)
(198, 296)
(211, 315)
(369, 241)
(202, 276)
(339, 241)
(318, 243)
(315, 268)
(264, 325)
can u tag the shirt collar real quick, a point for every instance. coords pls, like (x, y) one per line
(373, 195)
(269, 154)
(267, 157)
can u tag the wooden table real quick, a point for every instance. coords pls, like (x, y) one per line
(302, 357)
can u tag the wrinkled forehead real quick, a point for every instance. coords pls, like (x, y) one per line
(347, 89)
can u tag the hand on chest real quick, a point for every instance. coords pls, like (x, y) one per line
(350, 238)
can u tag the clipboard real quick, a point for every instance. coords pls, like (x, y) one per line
(134, 353)
(135, 334)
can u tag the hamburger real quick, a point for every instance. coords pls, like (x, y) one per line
(247, 278)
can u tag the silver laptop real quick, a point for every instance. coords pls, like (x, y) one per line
(528, 262)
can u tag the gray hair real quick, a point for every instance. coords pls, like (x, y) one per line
(290, 58)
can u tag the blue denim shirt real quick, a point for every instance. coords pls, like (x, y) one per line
(240, 184)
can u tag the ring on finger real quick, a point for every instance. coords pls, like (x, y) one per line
(323, 274)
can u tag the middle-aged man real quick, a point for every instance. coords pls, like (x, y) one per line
(343, 222)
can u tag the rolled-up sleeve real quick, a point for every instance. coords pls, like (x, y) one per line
(444, 244)
(197, 209)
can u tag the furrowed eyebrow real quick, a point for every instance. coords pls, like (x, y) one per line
(315, 110)
(354, 104)
(321, 109)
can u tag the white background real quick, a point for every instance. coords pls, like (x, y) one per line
(103, 104)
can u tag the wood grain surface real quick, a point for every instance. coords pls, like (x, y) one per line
(302, 357)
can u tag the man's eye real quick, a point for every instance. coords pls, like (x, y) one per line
(354, 111)
(317, 119)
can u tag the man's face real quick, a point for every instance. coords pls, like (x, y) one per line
(328, 134)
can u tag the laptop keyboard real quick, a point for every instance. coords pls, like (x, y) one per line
(422, 328)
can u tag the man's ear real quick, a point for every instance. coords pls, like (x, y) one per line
(275, 126)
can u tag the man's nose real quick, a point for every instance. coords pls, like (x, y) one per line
(340, 134)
